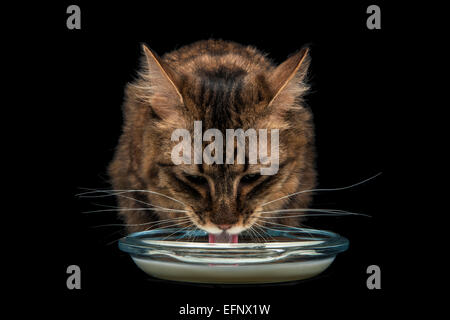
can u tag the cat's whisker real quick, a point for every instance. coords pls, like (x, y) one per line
(181, 223)
(262, 237)
(152, 223)
(159, 228)
(114, 241)
(330, 212)
(256, 235)
(262, 230)
(105, 206)
(325, 189)
(310, 215)
(268, 228)
(280, 224)
(138, 201)
(257, 239)
(119, 192)
(252, 234)
(175, 221)
(191, 234)
(195, 237)
(165, 227)
(171, 225)
(300, 210)
(178, 231)
(109, 194)
(265, 227)
(137, 209)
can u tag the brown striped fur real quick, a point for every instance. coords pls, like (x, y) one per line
(227, 86)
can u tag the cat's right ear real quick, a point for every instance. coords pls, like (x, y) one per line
(288, 79)
(159, 87)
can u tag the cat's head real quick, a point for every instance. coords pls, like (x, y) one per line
(225, 86)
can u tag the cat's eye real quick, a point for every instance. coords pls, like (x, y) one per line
(249, 178)
(195, 179)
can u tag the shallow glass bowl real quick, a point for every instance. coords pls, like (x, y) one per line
(283, 254)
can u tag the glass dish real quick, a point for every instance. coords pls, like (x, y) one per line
(286, 254)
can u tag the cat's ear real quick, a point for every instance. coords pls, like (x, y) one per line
(288, 79)
(160, 83)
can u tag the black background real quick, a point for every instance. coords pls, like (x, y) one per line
(84, 73)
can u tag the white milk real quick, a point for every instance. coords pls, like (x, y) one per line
(262, 273)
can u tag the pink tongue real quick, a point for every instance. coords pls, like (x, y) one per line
(223, 237)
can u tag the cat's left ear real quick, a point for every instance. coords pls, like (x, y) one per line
(161, 82)
(288, 79)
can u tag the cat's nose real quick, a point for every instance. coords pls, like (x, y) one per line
(224, 226)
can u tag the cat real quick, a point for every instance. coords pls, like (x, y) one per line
(225, 85)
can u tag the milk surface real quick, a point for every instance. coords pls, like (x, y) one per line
(262, 273)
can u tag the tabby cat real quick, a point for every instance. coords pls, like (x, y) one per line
(226, 86)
